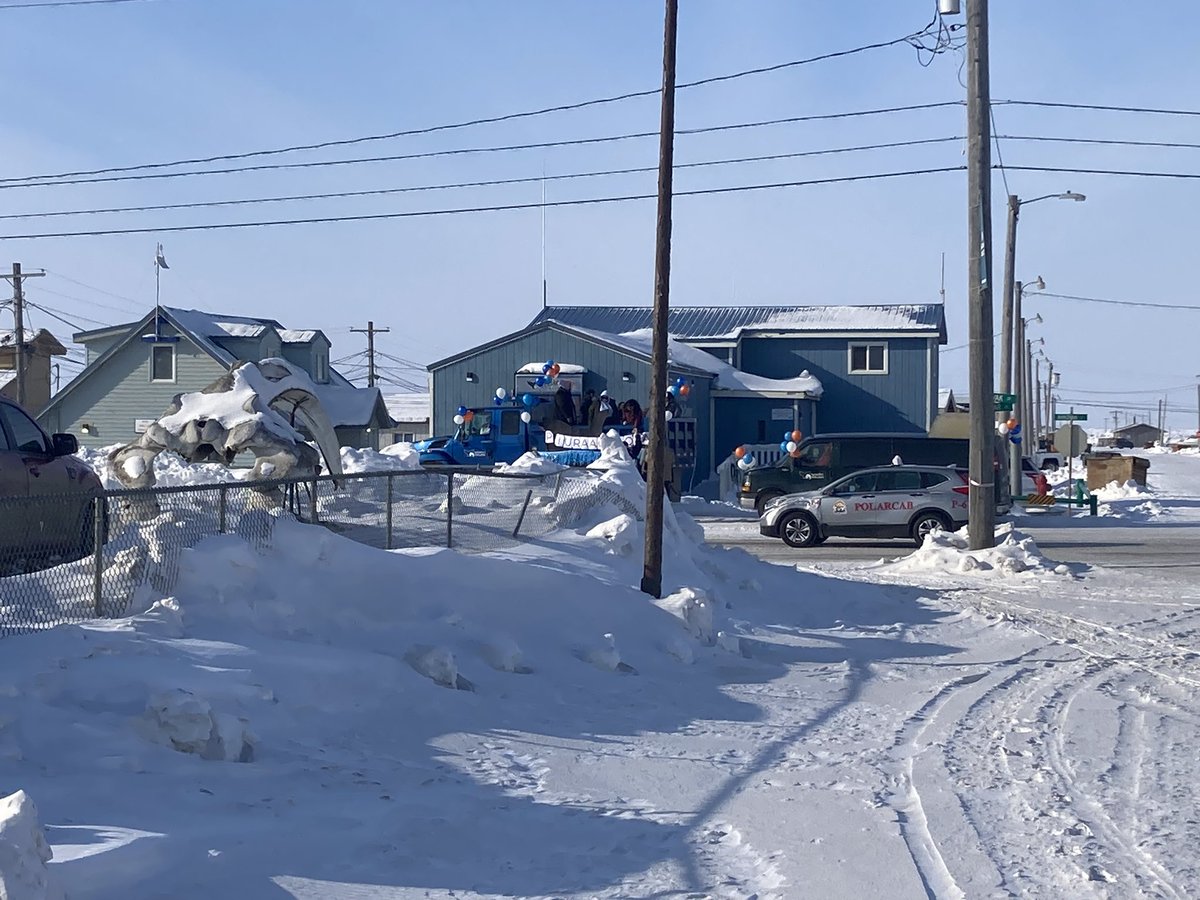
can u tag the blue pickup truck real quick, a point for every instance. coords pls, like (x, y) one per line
(499, 434)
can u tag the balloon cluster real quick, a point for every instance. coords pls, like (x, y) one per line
(550, 370)
(745, 459)
(463, 415)
(681, 388)
(791, 443)
(501, 396)
(1011, 429)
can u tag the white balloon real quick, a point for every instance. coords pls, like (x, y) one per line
(458, 420)
(501, 393)
(791, 445)
(742, 464)
(670, 415)
(1002, 428)
(526, 417)
(612, 433)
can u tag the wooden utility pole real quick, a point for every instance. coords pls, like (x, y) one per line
(982, 512)
(19, 325)
(1006, 317)
(370, 331)
(652, 563)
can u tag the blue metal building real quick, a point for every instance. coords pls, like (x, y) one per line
(755, 372)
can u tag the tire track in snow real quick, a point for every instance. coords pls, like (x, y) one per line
(1056, 709)
(905, 799)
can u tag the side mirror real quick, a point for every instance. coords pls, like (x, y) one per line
(64, 444)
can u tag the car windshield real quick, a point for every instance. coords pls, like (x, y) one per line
(479, 426)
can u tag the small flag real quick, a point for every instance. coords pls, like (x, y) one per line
(159, 259)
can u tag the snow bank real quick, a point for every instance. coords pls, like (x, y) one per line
(1114, 490)
(531, 463)
(170, 470)
(24, 853)
(394, 458)
(944, 551)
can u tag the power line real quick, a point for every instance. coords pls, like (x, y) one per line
(1099, 107)
(28, 182)
(1101, 141)
(45, 4)
(374, 192)
(55, 315)
(92, 287)
(506, 117)
(511, 207)
(1130, 172)
(1137, 303)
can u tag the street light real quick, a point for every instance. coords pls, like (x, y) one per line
(1008, 346)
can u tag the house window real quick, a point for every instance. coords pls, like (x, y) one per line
(868, 359)
(162, 362)
(321, 370)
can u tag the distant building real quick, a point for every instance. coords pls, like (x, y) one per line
(40, 350)
(1138, 434)
(410, 418)
(948, 403)
(135, 370)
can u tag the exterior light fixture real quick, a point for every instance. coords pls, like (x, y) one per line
(627, 376)
(472, 378)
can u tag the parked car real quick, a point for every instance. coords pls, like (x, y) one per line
(881, 502)
(47, 494)
(824, 458)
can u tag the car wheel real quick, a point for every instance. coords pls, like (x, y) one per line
(761, 501)
(927, 523)
(799, 529)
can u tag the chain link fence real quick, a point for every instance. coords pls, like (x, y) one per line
(67, 558)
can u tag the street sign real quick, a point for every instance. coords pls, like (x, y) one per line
(1070, 417)
(1005, 402)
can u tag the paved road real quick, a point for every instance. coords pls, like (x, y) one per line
(1169, 551)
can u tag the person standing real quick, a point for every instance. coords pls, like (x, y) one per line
(564, 404)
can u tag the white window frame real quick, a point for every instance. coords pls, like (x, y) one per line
(174, 363)
(868, 345)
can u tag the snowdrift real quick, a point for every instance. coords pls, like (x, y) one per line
(1015, 553)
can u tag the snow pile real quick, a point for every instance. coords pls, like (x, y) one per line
(394, 458)
(1114, 490)
(945, 551)
(170, 470)
(24, 853)
(531, 463)
(187, 723)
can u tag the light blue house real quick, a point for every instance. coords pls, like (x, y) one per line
(135, 370)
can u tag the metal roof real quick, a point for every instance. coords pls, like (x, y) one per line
(701, 323)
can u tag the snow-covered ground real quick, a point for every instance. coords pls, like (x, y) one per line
(319, 719)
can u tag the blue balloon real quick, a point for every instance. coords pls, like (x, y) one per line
(462, 410)
(549, 364)
(672, 390)
(1016, 438)
(499, 402)
(529, 399)
(783, 446)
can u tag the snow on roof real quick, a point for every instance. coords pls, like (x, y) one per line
(726, 377)
(407, 407)
(347, 407)
(692, 323)
(294, 336)
(7, 376)
(238, 329)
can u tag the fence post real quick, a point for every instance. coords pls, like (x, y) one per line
(388, 543)
(450, 509)
(524, 507)
(99, 509)
(314, 512)
(222, 498)
(557, 485)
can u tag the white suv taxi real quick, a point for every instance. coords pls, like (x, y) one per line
(883, 502)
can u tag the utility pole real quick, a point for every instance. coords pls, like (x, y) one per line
(1116, 423)
(982, 500)
(1016, 356)
(652, 563)
(1006, 319)
(1036, 388)
(370, 331)
(18, 279)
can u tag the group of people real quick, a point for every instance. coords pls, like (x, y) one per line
(596, 411)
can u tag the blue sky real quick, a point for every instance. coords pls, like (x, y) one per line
(163, 79)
